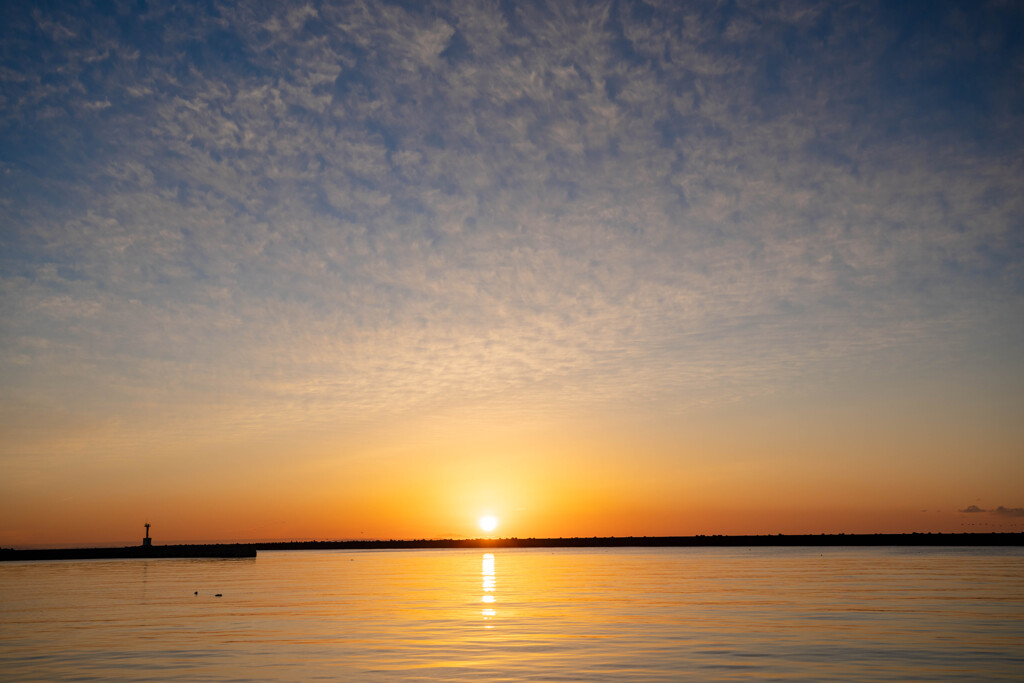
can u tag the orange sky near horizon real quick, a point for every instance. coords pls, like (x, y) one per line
(749, 469)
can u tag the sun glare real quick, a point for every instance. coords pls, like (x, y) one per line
(489, 523)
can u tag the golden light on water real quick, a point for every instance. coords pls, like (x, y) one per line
(489, 584)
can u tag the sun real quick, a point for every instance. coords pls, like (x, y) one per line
(488, 523)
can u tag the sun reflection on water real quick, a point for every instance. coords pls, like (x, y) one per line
(489, 584)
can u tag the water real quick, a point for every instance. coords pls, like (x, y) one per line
(658, 614)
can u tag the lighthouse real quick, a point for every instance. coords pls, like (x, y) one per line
(147, 542)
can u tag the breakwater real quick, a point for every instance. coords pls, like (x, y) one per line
(130, 552)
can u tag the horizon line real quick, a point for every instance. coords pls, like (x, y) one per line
(695, 540)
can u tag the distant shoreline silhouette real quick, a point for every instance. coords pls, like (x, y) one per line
(222, 550)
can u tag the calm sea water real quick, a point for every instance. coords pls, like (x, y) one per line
(537, 614)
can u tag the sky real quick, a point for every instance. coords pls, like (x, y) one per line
(297, 270)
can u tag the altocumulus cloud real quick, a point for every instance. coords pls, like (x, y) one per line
(319, 212)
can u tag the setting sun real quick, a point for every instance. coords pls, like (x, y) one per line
(489, 523)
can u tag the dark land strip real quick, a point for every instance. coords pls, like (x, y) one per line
(227, 550)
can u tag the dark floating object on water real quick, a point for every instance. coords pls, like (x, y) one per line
(196, 593)
(218, 595)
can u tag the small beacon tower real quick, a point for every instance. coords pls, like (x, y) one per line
(147, 542)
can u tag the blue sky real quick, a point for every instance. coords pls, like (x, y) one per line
(232, 223)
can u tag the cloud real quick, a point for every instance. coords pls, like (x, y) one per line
(1000, 511)
(366, 209)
